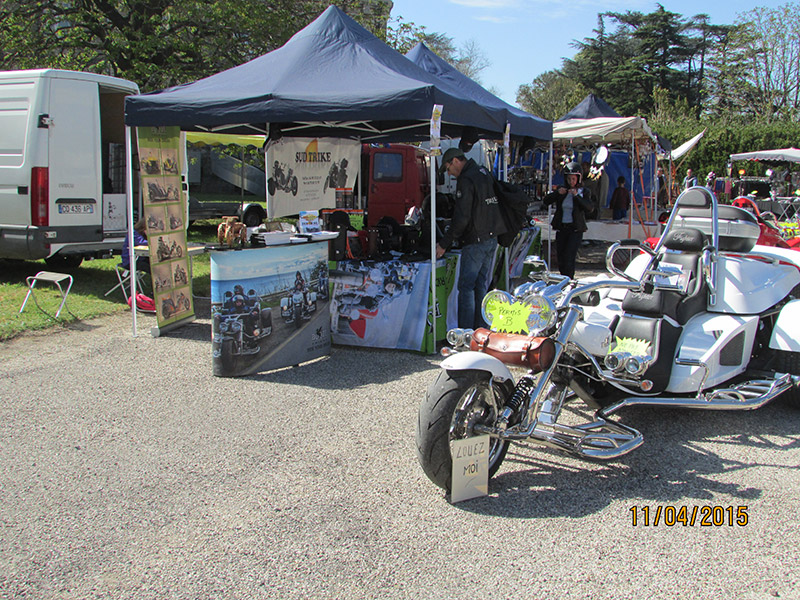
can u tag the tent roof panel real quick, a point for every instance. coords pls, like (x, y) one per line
(330, 72)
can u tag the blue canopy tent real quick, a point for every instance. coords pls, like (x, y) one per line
(333, 78)
(590, 107)
(522, 123)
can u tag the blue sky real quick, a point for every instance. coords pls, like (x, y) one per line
(524, 38)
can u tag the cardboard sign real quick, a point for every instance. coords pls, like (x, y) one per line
(470, 468)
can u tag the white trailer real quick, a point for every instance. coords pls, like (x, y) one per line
(62, 165)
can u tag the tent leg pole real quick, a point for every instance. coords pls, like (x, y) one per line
(129, 193)
(433, 254)
(549, 208)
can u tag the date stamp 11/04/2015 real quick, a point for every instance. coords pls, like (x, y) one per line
(669, 515)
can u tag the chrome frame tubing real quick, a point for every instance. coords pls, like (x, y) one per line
(747, 396)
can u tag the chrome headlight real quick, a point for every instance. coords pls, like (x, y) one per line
(615, 361)
(636, 365)
(542, 314)
(492, 304)
(531, 315)
(459, 337)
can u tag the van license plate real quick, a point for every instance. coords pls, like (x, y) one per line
(76, 208)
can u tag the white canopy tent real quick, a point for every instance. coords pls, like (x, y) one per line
(686, 146)
(602, 130)
(619, 132)
(780, 155)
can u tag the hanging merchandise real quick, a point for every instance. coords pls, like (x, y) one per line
(599, 160)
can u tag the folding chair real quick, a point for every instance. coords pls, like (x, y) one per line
(48, 277)
(124, 279)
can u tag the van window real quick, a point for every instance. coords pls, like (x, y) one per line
(13, 127)
(387, 167)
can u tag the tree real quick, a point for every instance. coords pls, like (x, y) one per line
(469, 59)
(551, 95)
(759, 68)
(642, 52)
(156, 43)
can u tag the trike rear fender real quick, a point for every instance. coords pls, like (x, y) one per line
(477, 361)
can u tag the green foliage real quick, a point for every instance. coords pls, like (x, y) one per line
(728, 136)
(550, 96)
(156, 43)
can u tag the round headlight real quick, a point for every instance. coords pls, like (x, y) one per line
(455, 337)
(459, 337)
(616, 360)
(542, 313)
(633, 365)
(492, 302)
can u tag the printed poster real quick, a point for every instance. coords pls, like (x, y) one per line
(269, 307)
(164, 213)
(305, 174)
(387, 304)
(379, 304)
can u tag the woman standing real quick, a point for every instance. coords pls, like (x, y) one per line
(569, 220)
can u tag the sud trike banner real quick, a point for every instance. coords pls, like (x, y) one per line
(310, 174)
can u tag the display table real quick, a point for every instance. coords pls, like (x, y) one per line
(610, 231)
(269, 307)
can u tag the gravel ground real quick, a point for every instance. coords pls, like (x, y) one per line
(128, 471)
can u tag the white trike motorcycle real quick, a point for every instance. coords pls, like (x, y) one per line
(706, 319)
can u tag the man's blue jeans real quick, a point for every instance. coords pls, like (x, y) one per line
(473, 281)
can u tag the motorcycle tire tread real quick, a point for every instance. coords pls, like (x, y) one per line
(433, 425)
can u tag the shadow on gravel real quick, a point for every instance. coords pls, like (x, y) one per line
(351, 368)
(674, 466)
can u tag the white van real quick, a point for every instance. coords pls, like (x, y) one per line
(62, 165)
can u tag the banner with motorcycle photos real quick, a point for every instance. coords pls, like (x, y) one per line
(269, 308)
(381, 304)
(310, 174)
(165, 213)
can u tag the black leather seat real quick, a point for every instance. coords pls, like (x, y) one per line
(658, 315)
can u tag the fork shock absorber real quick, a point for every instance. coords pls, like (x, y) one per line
(521, 392)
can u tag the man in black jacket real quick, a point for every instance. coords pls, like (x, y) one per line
(570, 218)
(476, 224)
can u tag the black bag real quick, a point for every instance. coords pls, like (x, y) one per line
(513, 203)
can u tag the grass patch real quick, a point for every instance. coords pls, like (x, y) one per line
(87, 298)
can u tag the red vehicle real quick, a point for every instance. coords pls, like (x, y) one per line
(398, 179)
(770, 232)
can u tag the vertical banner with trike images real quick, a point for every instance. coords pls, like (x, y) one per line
(310, 174)
(164, 215)
(269, 307)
